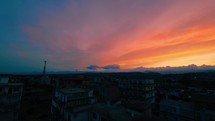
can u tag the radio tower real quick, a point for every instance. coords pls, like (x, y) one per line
(44, 69)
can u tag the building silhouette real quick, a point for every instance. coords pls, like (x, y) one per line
(10, 99)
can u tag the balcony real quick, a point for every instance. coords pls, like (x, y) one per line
(10, 98)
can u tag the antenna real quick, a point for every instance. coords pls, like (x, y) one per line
(44, 69)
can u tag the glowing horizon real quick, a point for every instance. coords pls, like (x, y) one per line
(75, 34)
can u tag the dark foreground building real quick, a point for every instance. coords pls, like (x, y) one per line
(10, 99)
(72, 105)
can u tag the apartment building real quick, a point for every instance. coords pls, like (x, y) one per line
(138, 95)
(72, 104)
(10, 99)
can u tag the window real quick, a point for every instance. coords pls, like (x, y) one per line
(75, 115)
(94, 116)
(69, 117)
(175, 109)
(10, 91)
(103, 119)
(16, 89)
(165, 116)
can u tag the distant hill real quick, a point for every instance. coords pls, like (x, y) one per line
(179, 69)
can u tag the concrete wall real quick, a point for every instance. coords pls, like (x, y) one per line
(80, 116)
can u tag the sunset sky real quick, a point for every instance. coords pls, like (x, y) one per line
(75, 34)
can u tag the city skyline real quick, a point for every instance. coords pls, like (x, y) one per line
(107, 34)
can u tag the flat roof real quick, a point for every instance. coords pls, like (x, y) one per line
(173, 103)
(79, 108)
(73, 90)
(117, 112)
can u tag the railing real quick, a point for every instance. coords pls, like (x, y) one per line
(10, 97)
(59, 102)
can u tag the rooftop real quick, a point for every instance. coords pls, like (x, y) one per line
(11, 84)
(72, 91)
(116, 112)
(79, 108)
(177, 103)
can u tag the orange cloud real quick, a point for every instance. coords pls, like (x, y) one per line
(195, 42)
